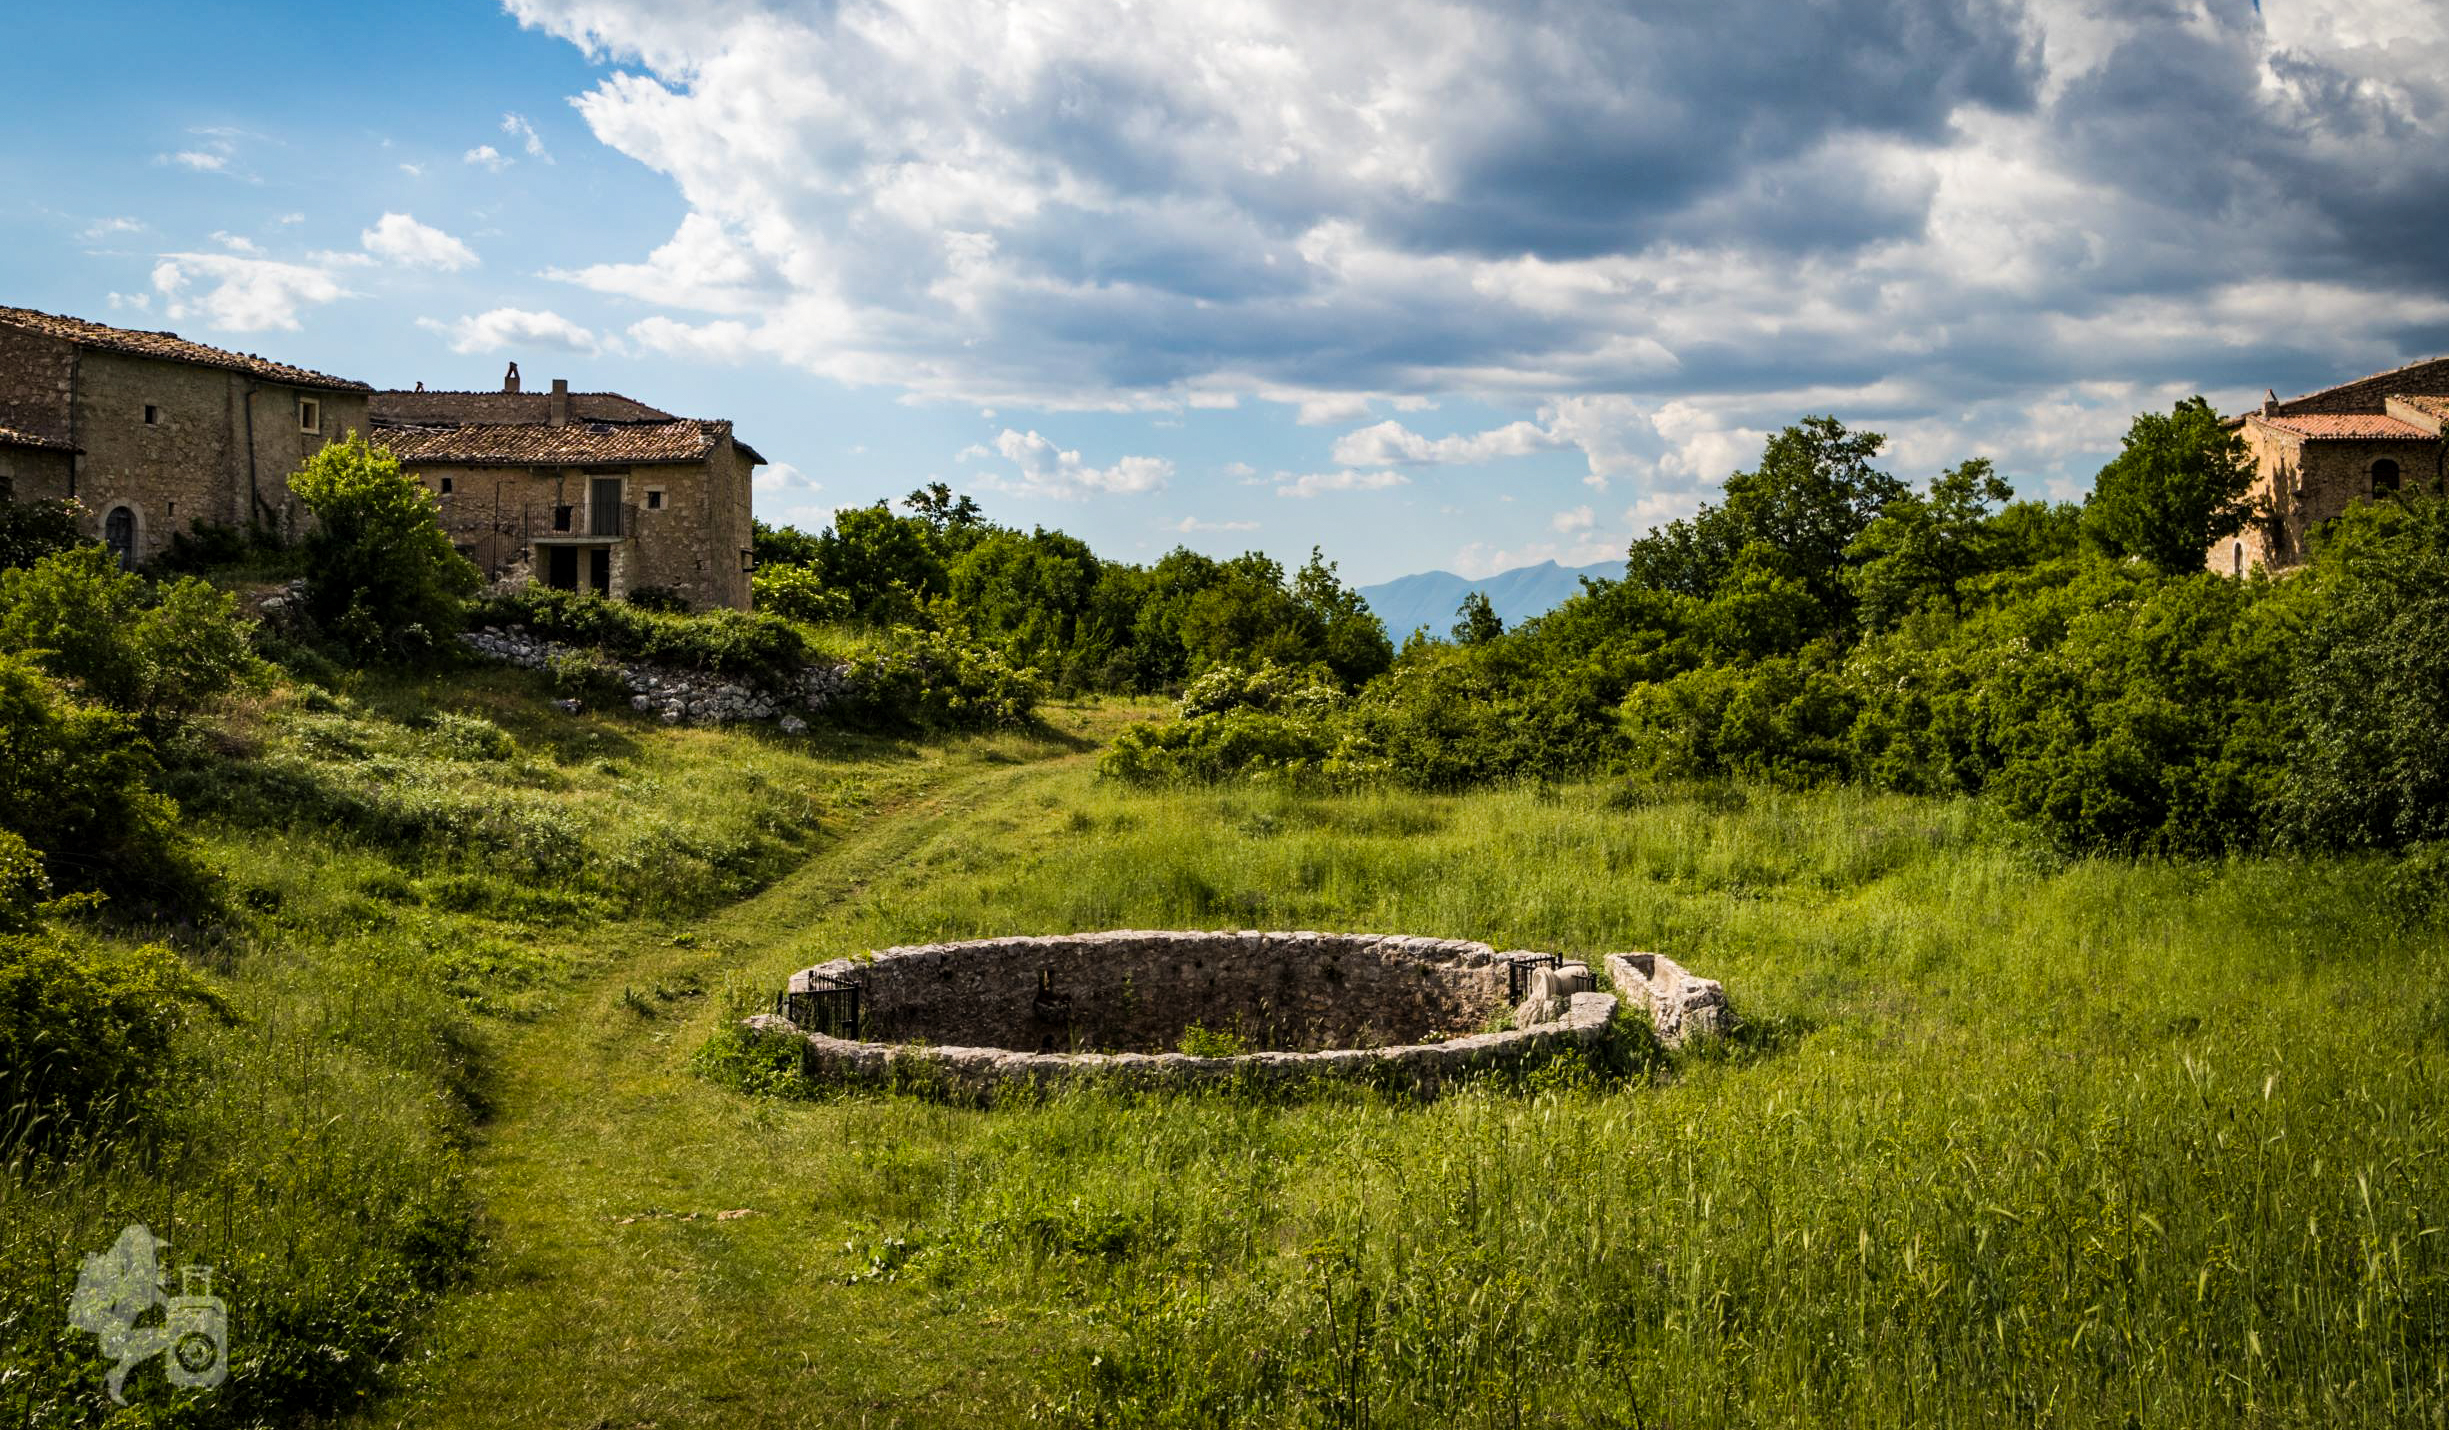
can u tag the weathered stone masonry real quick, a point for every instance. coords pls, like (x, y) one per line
(1115, 1004)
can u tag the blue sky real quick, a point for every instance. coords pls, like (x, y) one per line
(1429, 285)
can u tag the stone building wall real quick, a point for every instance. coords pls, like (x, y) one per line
(221, 446)
(33, 473)
(2302, 484)
(37, 376)
(502, 518)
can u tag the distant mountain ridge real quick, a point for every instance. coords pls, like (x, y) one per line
(1429, 598)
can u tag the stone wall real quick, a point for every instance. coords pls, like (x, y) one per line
(682, 695)
(982, 1013)
(1680, 1005)
(2366, 394)
(33, 473)
(1137, 991)
(2303, 484)
(37, 375)
(503, 518)
(1426, 1066)
(196, 459)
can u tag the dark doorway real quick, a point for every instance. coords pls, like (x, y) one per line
(561, 567)
(604, 506)
(599, 569)
(2384, 476)
(119, 534)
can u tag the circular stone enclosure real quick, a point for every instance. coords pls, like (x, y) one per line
(988, 1010)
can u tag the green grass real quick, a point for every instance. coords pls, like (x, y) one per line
(2010, 1141)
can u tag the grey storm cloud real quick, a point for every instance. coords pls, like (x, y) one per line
(1928, 205)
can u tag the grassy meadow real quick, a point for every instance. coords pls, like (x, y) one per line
(2007, 1139)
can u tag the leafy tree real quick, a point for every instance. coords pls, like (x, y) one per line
(796, 593)
(887, 565)
(381, 576)
(1027, 594)
(1812, 494)
(151, 652)
(1919, 547)
(782, 546)
(2372, 685)
(1476, 621)
(2178, 486)
(32, 530)
(1351, 639)
(956, 522)
(77, 784)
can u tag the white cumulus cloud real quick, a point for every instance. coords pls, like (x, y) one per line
(1051, 471)
(485, 156)
(399, 238)
(241, 294)
(1318, 483)
(502, 328)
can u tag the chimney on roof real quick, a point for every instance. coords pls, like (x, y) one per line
(2270, 402)
(510, 379)
(560, 408)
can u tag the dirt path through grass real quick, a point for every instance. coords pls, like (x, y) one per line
(652, 1259)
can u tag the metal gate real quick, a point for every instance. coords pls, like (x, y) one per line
(828, 1005)
(1518, 972)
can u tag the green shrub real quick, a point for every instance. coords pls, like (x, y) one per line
(382, 579)
(84, 1026)
(657, 598)
(2371, 692)
(588, 675)
(1200, 1041)
(761, 1062)
(797, 593)
(727, 642)
(32, 530)
(77, 784)
(149, 651)
(469, 737)
(938, 681)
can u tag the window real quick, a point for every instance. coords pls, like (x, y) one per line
(654, 498)
(2384, 476)
(561, 518)
(446, 486)
(153, 415)
(748, 559)
(2236, 557)
(310, 415)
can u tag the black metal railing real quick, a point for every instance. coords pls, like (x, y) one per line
(829, 1006)
(1518, 972)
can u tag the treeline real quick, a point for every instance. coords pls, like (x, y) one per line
(1043, 600)
(2076, 665)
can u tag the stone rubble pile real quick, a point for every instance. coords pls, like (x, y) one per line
(678, 695)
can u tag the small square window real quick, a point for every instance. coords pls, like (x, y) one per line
(748, 558)
(153, 415)
(310, 415)
(446, 486)
(654, 498)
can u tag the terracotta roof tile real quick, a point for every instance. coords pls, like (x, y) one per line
(2345, 426)
(11, 437)
(455, 409)
(579, 444)
(171, 347)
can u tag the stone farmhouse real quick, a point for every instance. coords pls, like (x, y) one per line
(151, 432)
(586, 491)
(2314, 455)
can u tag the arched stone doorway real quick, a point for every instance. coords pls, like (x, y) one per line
(119, 534)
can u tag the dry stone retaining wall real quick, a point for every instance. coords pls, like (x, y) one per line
(680, 695)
